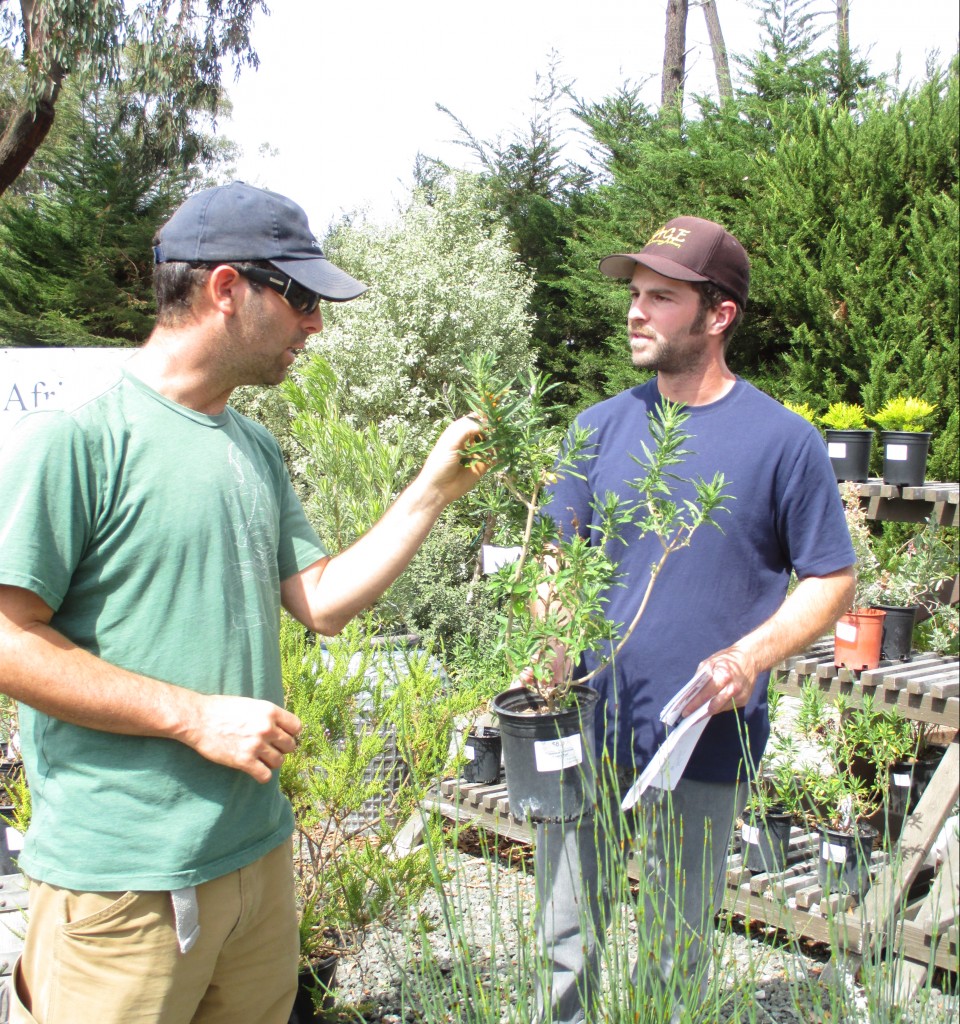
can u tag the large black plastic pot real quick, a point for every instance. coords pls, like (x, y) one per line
(905, 457)
(844, 864)
(482, 754)
(849, 452)
(765, 841)
(548, 757)
(896, 640)
(321, 976)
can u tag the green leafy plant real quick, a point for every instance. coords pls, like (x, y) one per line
(552, 597)
(844, 416)
(361, 768)
(913, 574)
(904, 412)
(868, 563)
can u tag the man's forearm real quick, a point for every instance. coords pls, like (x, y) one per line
(807, 613)
(352, 581)
(327, 595)
(42, 668)
(814, 606)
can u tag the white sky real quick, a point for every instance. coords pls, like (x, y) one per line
(346, 92)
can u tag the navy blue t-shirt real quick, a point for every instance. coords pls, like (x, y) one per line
(784, 511)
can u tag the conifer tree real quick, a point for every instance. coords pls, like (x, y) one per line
(77, 257)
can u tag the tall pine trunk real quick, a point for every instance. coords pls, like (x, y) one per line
(718, 46)
(674, 54)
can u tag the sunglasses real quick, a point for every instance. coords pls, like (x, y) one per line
(302, 299)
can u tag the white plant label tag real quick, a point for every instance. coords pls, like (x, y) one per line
(468, 753)
(896, 452)
(555, 755)
(14, 840)
(495, 558)
(834, 853)
(847, 631)
(837, 449)
(750, 834)
(901, 780)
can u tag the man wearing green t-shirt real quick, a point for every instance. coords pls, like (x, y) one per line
(148, 539)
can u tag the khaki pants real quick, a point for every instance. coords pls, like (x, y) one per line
(113, 958)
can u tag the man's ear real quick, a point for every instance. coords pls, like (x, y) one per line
(723, 316)
(221, 289)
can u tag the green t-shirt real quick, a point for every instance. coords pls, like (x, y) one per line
(159, 536)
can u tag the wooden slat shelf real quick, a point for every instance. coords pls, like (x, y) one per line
(925, 689)
(911, 504)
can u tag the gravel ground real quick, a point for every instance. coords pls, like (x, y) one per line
(780, 978)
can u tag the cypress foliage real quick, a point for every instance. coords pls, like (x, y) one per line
(76, 266)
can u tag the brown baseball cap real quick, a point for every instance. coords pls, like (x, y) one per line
(689, 249)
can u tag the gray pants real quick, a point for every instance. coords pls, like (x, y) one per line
(680, 839)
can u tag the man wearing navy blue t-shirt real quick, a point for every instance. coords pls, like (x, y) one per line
(722, 606)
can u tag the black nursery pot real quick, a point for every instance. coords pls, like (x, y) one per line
(908, 780)
(849, 452)
(322, 976)
(549, 761)
(905, 457)
(844, 864)
(896, 643)
(483, 755)
(766, 840)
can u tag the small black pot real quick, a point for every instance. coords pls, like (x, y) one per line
(896, 641)
(549, 759)
(844, 864)
(908, 780)
(905, 457)
(766, 840)
(483, 757)
(849, 452)
(323, 976)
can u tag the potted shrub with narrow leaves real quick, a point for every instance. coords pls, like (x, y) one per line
(551, 597)
(774, 801)
(911, 579)
(905, 443)
(348, 797)
(837, 800)
(849, 441)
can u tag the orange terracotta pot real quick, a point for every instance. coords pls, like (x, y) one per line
(857, 639)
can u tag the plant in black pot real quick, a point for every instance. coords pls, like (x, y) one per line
(838, 798)
(909, 583)
(905, 443)
(550, 598)
(774, 801)
(849, 441)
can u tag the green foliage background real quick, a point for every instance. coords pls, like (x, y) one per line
(843, 188)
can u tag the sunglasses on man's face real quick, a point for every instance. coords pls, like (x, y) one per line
(302, 299)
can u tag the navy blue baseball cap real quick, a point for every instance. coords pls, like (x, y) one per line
(235, 222)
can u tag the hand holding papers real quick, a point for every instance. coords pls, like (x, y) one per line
(667, 765)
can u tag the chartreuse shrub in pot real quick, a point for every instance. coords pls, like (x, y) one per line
(905, 443)
(550, 599)
(849, 441)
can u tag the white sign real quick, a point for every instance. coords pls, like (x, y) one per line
(53, 378)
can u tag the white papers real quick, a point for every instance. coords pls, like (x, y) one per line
(668, 763)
